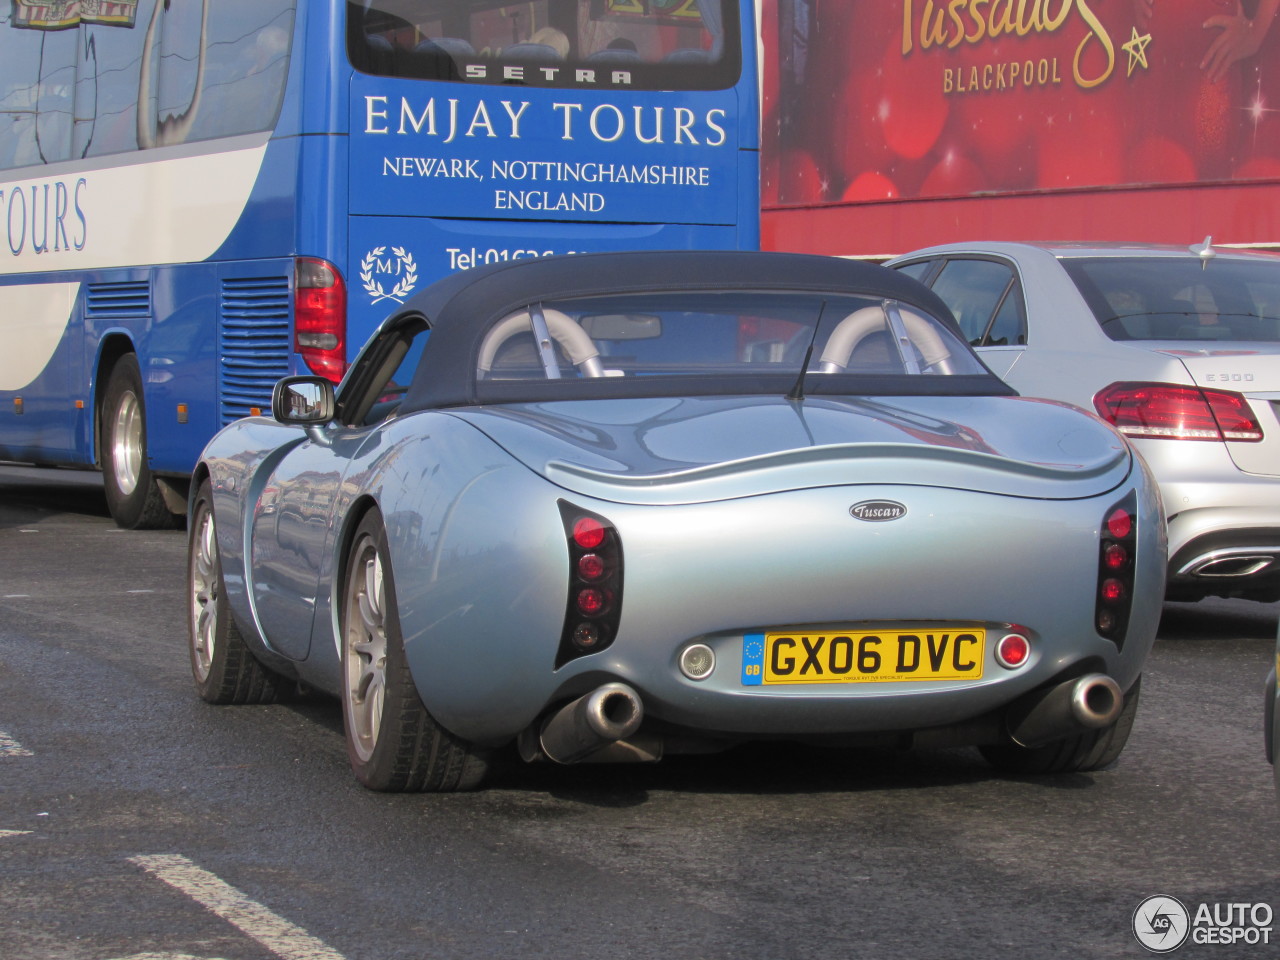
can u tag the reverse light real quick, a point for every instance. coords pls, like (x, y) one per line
(320, 317)
(697, 661)
(586, 636)
(1175, 412)
(594, 606)
(1117, 548)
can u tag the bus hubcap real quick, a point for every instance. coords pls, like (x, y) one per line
(126, 444)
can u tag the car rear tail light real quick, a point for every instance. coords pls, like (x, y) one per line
(588, 533)
(591, 567)
(594, 606)
(320, 317)
(1174, 412)
(1116, 569)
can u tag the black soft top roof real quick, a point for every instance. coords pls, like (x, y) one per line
(461, 308)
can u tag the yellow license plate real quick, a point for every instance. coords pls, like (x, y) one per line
(863, 657)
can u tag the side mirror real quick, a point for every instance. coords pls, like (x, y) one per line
(302, 400)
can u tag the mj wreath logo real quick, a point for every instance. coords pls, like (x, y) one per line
(399, 269)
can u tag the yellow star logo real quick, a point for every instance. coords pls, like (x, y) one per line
(1136, 48)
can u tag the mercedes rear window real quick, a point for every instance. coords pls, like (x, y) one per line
(1181, 298)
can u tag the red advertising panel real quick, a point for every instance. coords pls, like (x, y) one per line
(1019, 119)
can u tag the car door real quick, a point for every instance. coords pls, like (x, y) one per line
(985, 296)
(291, 533)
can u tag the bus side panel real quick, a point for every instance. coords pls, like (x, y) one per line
(321, 178)
(265, 226)
(39, 421)
(178, 357)
(221, 341)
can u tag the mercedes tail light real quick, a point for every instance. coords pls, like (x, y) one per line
(595, 583)
(1118, 544)
(320, 317)
(1175, 412)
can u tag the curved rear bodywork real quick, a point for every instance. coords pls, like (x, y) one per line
(720, 552)
(669, 520)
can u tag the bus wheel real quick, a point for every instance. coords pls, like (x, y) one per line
(133, 496)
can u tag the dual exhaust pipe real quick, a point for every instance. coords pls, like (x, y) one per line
(602, 725)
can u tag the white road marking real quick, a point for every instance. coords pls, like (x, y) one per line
(165, 956)
(285, 939)
(13, 833)
(17, 596)
(10, 747)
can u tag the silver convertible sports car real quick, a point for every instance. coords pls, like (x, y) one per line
(1178, 347)
(612, 506)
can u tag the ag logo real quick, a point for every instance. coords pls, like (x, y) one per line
(1161, 924)
(399, 267)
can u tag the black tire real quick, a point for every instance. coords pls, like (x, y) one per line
(223, 667)
(1091, 750)
(133, 495)
(393, 742)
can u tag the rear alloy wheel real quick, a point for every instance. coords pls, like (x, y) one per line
(224, 669)
(133, 494)
(393, 743)
(1090, 750)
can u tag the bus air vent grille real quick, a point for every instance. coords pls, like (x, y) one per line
(254, 343)
(111, 301)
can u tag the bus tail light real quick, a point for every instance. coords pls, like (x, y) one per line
(1172, 411)
(320, 317)
(594, 605)
(1114, 597)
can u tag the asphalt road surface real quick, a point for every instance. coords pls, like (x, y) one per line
(138, 822)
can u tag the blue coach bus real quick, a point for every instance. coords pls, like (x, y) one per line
(199, 197)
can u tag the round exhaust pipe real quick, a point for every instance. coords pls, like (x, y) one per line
(1096, 701)
(609, 713)
(1090, 702)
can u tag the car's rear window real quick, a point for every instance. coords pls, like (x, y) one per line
(1166, 298)
(709, 335)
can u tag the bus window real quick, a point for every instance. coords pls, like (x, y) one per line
(554, 43)
(217, 76)
(71, 90)
(107, 92)
(36, 98)
(247, 63)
